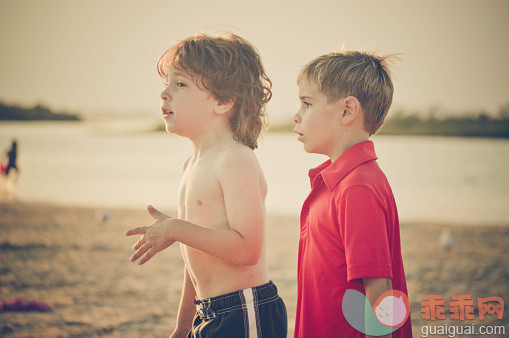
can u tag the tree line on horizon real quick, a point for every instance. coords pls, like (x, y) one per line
(433, 123)
(398, 123)
(37, 113)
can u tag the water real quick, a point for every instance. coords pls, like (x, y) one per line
(114, 164)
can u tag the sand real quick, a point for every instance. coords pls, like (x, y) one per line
(71, 259)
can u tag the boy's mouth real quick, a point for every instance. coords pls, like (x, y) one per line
(300, 135)
(166, 113)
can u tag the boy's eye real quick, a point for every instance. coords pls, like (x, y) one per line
(307, 104)
(181, 84)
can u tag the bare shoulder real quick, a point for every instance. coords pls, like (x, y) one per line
(240, 159)
(240, 171)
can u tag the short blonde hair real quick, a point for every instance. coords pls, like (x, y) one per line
(231, 69)
(352, 73)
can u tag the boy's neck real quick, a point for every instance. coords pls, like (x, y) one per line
(216, 137)
(345, 144)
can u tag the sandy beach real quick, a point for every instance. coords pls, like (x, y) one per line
(77, 262)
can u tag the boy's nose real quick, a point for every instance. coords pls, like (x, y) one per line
(165, 96)
(296, 117)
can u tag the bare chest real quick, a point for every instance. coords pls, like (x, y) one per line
(200, 196)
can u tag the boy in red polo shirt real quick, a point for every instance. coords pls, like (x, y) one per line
(349, 235)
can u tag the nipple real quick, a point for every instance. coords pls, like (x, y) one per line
(198, 202)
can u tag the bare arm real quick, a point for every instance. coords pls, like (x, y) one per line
(374, 288)
(227, 244)
(241, 244)
(187, 309)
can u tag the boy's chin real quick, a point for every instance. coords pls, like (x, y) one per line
(309, 149)
(169, 128)
(177, 132)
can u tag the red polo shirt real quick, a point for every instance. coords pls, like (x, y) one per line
(349, 230)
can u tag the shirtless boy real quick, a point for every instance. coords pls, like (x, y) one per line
(215, 92)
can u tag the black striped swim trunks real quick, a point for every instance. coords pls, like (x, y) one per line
(249, 313)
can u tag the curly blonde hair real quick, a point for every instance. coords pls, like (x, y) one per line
(231, 69)
(363, 75)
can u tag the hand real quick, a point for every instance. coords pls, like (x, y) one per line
(156, 237)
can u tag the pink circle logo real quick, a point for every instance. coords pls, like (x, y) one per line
(392, 308)
(390, 312)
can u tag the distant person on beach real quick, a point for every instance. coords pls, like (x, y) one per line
(349, 236)
(10, 173)
(215, 93)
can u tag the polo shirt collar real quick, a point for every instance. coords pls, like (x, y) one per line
(333, 172)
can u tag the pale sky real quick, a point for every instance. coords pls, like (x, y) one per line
(98, 56)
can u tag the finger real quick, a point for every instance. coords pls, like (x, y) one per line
(140, 242)
(148, 256)
(136, 231)
(140, 252)
(154, 212)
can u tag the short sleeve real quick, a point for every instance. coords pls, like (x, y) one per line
(363, 230)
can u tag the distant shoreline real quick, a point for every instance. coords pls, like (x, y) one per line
(37, 113)
(401, 124)
(414, 125)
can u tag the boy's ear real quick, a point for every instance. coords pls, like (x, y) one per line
(351, 109)
(224, 107)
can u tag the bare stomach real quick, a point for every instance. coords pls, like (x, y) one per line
(214, 277)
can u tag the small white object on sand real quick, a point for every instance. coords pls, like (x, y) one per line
(446, 239)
